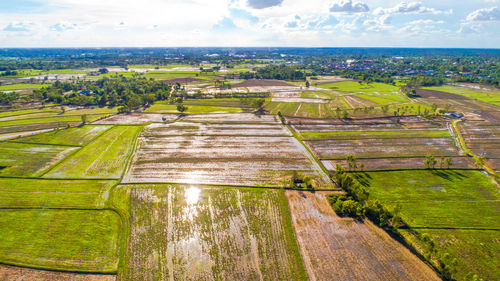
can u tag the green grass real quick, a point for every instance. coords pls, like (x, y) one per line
(491, 97)
(374, 134)
(215, 102)
(463, 199)
(62, 119)
(477, 251)
(73, 136)
(20, 87)
(169, 66)
(192, 109)
(41, 193)
(105, 157)
(27, 111)
(29, 160)
(67, 71)
(376, 92)
(75, 240)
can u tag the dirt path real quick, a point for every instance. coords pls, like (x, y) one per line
(335, 248)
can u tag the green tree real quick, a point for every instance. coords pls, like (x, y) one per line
(181, 108)
(84, 119)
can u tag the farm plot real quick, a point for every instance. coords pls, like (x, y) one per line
(77, 136)
(105, 157)
(483, 139)
(454, 199)
(223, 160)
(192, 109)
(335, 248)
(306, 109)
(377, 93)
(53, 193)
(73, 240)
(137, 118)
(245, 118)
(189, 128)
(459, 209)
(29, 160)
(399, 163)
(182, 233)
(383, 148)
(477, 251)
(485, 94)
(22, 273)
(26, 128)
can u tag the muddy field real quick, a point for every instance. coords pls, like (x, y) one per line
(432, 94)
(210, 234)
(483, 139)
(158, 130)
(334, 248)
(400, 163)
(261, 83)
(136, 118)
(242, 118)
(14, 273)
(382, 148)
(224, 160)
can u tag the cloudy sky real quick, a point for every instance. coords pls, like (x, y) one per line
(325, 23)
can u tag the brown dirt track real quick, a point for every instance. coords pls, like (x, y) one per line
(14, 273)
(335, 248)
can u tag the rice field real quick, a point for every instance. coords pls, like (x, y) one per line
(40, 193)
(105, 157)
(400, 163)
(70, 240)
(191, 233)
(485, 95)
(223, 154)
(29, 160)
(77, 136)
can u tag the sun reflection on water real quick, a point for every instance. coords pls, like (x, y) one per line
(192, 195)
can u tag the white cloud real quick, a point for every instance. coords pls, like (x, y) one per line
(487, 14)
(19, 26)
(63, 26)
(347, 6)
(410, 8)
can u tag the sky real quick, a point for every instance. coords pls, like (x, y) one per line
(248, 23)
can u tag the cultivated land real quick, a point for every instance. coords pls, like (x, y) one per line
(335, 248)
(105, 157)
(187, 233)
(158, 195)
(81, 240)
(234, 153)
(458, 208)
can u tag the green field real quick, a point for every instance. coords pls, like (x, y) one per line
(487, 96)
(105, 157)
(29, 160)
(77, 136)
(82, 240)
(20, 87)
(42, 193)
(376, 92)
(192, 109)
(438, 198)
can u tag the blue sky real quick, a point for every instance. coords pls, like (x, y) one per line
(325, 23)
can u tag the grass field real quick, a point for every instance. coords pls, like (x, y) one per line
(105, 157)
(459, 209)
(192, 109)
(77, 136)
(28, 160)
(42, 193)
(20, 87)
(211, 234)
(376, 92)
(83, 240)
(438, 198)
(487, 96)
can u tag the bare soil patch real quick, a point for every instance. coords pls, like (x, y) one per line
(335, 248)
(432, 94)
(261, 83)
(136, 118)
(400, 163)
